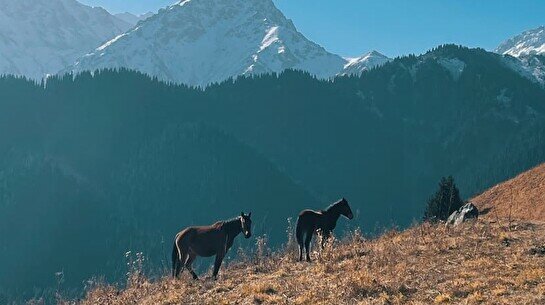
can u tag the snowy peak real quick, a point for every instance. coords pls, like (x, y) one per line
(528, 49)
(42, 37)
(356, 66)
(531, 42)
(199, 42)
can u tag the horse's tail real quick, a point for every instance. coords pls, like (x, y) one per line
(176, 254)
(175, 258)
(299, 231)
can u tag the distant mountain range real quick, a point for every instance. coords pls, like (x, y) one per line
(195, 42)
(42, 37)
(133, 19)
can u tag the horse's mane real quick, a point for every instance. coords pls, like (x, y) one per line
(334, 204)
(230, 221)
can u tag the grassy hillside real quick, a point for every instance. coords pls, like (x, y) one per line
(478, 263)
(522, 197)
(497, 259)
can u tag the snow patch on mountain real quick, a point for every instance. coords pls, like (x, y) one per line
(199, 42)
(535, 67)
(453, 65)
(531, 67)
(42, 37)
(504, 99)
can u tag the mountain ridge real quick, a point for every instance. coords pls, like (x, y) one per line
(530, 42)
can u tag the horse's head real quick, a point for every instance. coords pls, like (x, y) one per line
(246, 224)
(345, 209)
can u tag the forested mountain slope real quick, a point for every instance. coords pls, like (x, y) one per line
(127, 161)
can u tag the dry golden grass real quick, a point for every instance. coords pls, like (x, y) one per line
(477, 263)
(520, 198)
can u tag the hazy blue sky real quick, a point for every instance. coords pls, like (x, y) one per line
(393, 27)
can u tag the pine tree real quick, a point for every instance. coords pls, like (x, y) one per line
(445, 201)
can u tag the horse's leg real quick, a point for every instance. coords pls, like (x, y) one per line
(301, 246)
(191, 257)
(308, 238)
(174, 259)
(325, 237)
(217, 264)
(299, 233)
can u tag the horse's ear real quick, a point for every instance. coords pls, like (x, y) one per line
(242, 214)
(249, 214)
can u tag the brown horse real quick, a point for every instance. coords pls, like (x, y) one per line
(310, 222)
(207, 241)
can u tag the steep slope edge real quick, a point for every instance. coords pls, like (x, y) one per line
(522, 197)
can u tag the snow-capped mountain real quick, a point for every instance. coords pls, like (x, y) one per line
(198, 42)
(42, 37)
(531, 42)
(528, 50)
(356, 66)
(132, 18)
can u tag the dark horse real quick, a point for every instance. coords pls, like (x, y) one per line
(310, 222)
(207, 241)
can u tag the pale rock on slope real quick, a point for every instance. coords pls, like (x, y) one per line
(39, 37)
(199, 42)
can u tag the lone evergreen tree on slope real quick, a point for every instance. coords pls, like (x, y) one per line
(444, 202)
